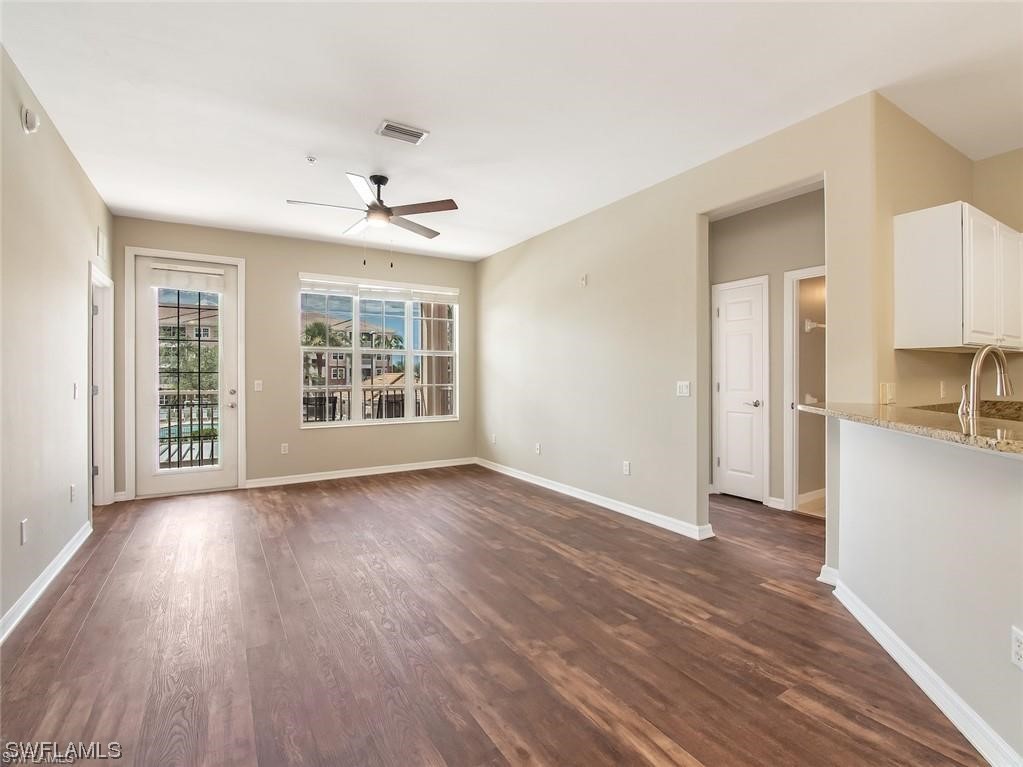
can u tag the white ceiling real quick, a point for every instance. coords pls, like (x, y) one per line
(203, 113)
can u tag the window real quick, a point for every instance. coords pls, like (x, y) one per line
(360, 342)
(327, 322)
(189, 378)
(433, 340)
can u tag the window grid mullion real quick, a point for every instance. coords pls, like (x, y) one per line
(410, 373)
(357, 408)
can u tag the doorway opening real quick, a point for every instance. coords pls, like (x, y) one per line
(805, 375)
(755, 430)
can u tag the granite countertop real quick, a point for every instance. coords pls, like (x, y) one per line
(1004, 409)
(1000, 435)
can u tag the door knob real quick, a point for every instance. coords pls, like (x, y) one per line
(231, 405)
(754, 403)
(232, 391)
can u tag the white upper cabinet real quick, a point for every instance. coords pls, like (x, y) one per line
(1010, 244)
(958, 280)
(981, 277)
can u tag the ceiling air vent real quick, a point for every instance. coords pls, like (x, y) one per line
(405, 133)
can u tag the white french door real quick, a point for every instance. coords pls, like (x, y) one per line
(739, 319)
(186, 357)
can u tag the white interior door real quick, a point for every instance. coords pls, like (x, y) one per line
(740, 387)
(186, 356)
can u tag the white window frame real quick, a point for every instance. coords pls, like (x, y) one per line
(440, 295)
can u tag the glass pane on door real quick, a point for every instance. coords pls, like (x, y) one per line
(188, 377)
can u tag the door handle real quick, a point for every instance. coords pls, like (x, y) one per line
(231, 405)
(754, 403)
(232, 391)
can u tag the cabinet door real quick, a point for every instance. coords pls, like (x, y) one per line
(981, 278)
(1010, 246)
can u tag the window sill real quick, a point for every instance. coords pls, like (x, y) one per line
(381, 422)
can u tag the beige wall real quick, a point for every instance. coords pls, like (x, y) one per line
(916, 169)
(812, 381)
(272, 266)
(998, 190)
(590, 371)
(998, 187)
(51, 215)
(933, 545)
(771, 240)
(647, 259)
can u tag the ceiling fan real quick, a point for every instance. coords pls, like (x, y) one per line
(378, 214)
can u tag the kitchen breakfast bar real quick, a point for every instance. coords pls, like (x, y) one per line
(918, 489)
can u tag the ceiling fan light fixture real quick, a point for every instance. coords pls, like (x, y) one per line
(377, 218)
(380, 215)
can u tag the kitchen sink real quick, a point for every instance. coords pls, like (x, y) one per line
(1006, 410)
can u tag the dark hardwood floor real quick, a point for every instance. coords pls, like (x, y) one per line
(459, 617)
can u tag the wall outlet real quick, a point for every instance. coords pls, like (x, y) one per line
(682, 388)
(887, 393)
(626, 468)
(257, 385)
(493, 439)
(1017, 646)
(24, 532)
(941, 390)
(537, 448)
(284, 448)
(71, 492)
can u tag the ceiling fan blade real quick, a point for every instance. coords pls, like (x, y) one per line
(322, 204)
(412, 226)
(357, 227)
(424, 207)
(364, 189)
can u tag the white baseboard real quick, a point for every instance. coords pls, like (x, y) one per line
(12, 617)
(776, 503)
(294, 479)
(813, 495)
(988, 742)
(688, 529)
(829, 575)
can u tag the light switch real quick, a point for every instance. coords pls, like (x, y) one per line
(682, 388)
(257, 386)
